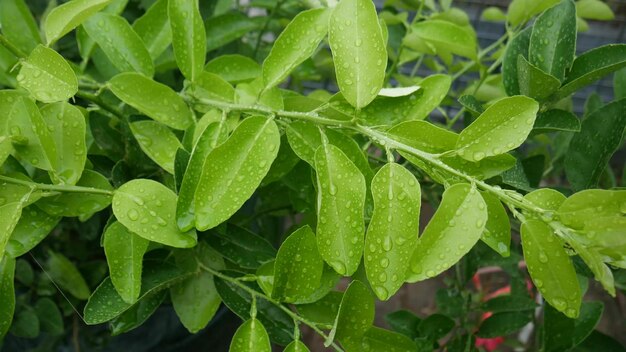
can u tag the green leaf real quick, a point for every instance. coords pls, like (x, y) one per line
(493, 14)
(225, 28)
(296, 346)
(62, 19)
(502, 127)
(590, 150)
(533, 82)
(50, 318)
(210, 86)
(516, 47)
(47, 76)
(582, 207)
(520, 11)
(435, 88)
(556, 120)
(250, 336)
(65, 275)
(355, 315)
(154, 99)
(234, 68)
(435, 326)
(298, 267)
(34, 225)
(10, 212)
(124, 251)
(553, 40)
(158, 142)
(137, 314)
(147, 208)
(81, 205)
(188, 36)
(442, 37)
(285, 161)
(503, 323)
(391, 109)
(619, 84)
(591, 66)
(154, 28)
(595, 261)
(377, 339)
(322, 312)
(509, 303)
(212, 135)
(127, 52)
(106, 304)
(308, 29)
(340, 229)
(404, 322)
(392, 233)
(234, 170)
(562, 333)
(550, 267)
(67, 129)
(455, 228)
(6, 148)
(18, 25)
(25, 123)
(7, 294)
(241, 247)
(497, 234)
(359, 52)
(594, 10)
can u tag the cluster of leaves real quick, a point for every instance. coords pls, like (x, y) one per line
(163, 178)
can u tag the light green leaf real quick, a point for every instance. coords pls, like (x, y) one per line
(502, 127)
(340, 229)
(211, 86)
(442, 37)
(154, 99)
(590, 150)
(359, 52)
(213, 135)
(154, 28)
(250, 337)
(28, 128)
(595, 262)
(533, 82)
(234, 170)
(34, 225)
(308, 29)
(62, 19)
(591, 66)
(225, 28)
(435, 89)
(556, 120)
(392, 233)
(7, 294)
(553, 40)
(520, 11)
(65, 274)
(296, 346)
(147, 208)
(594, 10)
(158, 142)
(298, 267)
(304, 139)
(10, 212)
(67, 129)
(18, 25)
(188, 36)
(322, 312)
(545, 198)
(497, 234)
(455, 228)
(493, 14)
(516, 47)
(550, 267)
(355, 316)
(582, 207)
(47, 76)
(6, 148)
(234, 68)
(127, 52)
(124, 252)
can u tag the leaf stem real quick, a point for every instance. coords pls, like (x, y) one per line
(101, 103)
(12, 48)
(255, 294)
(57, 188)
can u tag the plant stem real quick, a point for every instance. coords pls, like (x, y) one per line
(57, 188)
(12, 48)
(256, 294)
(101, 103)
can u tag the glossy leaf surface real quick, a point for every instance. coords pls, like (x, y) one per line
(62, 19)
(47, 76)
(188, 36)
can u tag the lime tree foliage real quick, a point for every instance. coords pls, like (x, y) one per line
(167, 153)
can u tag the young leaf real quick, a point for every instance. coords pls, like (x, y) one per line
(454, 229)
(188, 36)
(124, 48)
(154, 99)
(355, 316)
(296, 346)
(497, 234)
(582, 207)
(594, 10)
(67, 129)
(18, 25)
(340, 229)
(590, 150)
(124, 251)
(212, 135)
(250, 337)
(359, 52)
(308, 28)
(65, 274)
(442, 37)
(158, 142)
(392, 233)
(533, 82)
(209, 86)
(502, 127)
(234, 68)
(234, 170)
(47, 76)
(147, 208)
(550, 267)
(553, 40)
(62, 19)
(227, 27)
(34, 225)
(520, 11)
(298, 267)
(154, 29)
(7, 294)
(435, 89)
(516, 47)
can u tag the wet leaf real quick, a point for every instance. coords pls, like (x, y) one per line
(556, 120)
(188, 36)
(158, 142)
(154, 28)
(47, 76)
(234, 68)
(442, 37)
(497, 234)
(355, 315)
(250, 336)
(520, 11)
(18, 25)
(33, 226)
(62, 19)
(7, 294)
(533, 82)
(516, 47)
